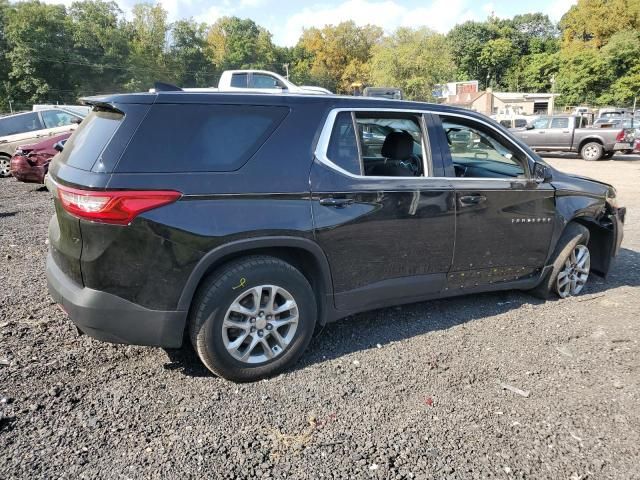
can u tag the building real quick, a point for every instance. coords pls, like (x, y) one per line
(504, 103)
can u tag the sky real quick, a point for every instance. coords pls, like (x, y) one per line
(286, 19)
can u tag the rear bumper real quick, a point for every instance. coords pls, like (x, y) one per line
(623, 146)
(113, 319)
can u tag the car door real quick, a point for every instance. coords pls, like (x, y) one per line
(559, 133)
(504, 219)
(385, 223)
(536, 137)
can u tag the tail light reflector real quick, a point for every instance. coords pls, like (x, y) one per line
(117, 207)
(620, 136)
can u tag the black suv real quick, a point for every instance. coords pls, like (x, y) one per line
(244, 221)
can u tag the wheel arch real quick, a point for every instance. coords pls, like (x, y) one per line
(302, 253)
(584, 141)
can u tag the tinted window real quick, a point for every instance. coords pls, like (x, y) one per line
(23, 123)
(505, 123)
(520, 123)
(199, 138)
(560, 122)
(239, 80)
(57, 118)
(477, 152)
(343, 147)
(86, 145)
(260, 80)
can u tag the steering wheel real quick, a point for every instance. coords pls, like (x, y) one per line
(413, 164)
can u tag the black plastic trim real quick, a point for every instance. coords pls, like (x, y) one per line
(113, 319)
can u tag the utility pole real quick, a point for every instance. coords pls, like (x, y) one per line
(286, 69)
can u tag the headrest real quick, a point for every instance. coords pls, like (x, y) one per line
(398, 146)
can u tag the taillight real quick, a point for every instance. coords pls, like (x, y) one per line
(620, 136)
(118, 207)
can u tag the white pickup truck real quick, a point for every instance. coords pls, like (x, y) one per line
(260, 81)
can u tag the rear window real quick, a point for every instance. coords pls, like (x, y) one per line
(199, 138)
(24, 123)
(88, 142)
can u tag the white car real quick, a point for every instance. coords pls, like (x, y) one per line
(29, 127)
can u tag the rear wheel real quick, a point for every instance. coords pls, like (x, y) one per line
(253, 318)
(592, 151)
(571, 265)
(5, 166)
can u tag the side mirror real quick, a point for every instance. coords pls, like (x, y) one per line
(541, 173)
(77, 121)
(529, 126)
(59, 146)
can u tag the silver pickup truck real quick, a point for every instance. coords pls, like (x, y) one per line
(571, 134)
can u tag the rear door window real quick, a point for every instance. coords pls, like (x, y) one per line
(177, 138)
(560, 122)
(27, 122)
(239, 80)
(343, 146)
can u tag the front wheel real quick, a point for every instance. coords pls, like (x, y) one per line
(571, 265)
(253, 319)
(592, 151)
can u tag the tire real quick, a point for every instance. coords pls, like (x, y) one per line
(575, 236)
(592, 152)
(5, 166)
(274, 340)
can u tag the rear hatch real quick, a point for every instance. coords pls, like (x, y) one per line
(86, 163)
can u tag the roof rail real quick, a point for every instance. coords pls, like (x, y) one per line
(165, 87)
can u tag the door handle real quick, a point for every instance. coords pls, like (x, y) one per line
(336, 202)
(466, 200)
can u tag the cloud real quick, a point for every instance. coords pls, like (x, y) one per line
(441, 15)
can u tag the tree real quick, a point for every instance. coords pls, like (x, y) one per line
(583, 75)
(148, 47)
(336, 55)
(414, 60)
(190, 64)
(235, 43)
(593, 22)
(100, 46)
(39, 40)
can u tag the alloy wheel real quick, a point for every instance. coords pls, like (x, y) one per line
(590, 152)
(260, 324)
(5, 167)
(575, 272)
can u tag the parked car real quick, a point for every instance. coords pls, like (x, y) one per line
(242, 222)
(28, 127)
(30, 163)
(259, 81)
(568, 133)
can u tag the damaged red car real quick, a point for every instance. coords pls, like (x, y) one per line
(30, 163)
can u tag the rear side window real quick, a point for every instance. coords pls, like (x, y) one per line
(343, 146)
(57, 118)
(199, 138)
(560, 122)
(86, 145)
(24, 123)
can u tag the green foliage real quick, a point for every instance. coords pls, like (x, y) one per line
(414, 60)
(53, 53)
(336, 56)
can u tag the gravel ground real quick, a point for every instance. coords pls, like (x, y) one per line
(410, 392)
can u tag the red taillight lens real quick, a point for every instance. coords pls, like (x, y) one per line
(116, 207)
(620, 136)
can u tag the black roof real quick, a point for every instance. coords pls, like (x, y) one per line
(285, 99)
